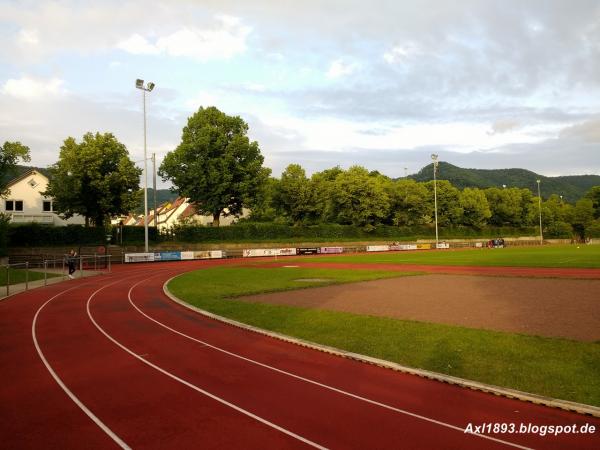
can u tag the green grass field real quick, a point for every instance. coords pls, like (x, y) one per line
(547, 256)
(558, 368)
(16, 276)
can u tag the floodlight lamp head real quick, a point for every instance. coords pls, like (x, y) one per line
(139, 84)
(538, 181)
(150, 86)
(434, 156)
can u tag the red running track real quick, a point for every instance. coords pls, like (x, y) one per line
(110, 361)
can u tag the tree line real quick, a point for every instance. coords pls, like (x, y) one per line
(221, 171)
(358, 197)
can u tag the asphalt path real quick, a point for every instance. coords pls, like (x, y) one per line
(110, 361)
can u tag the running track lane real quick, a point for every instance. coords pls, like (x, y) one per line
(156, 396)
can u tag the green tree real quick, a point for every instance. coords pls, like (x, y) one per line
(410, 203)
(594, 195)
(476, 210)
(94, 178)
(262, 205)
(360, 199)
(322, 186)
(508, 206)
(583, 216)
(215, 165)
(294, 195)
(448, 203)
(11, 153)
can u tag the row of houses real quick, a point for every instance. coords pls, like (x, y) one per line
(26, 204)
(178, 211)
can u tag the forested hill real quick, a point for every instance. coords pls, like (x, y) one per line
(571, 187)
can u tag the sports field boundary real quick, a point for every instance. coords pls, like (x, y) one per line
(448, 379)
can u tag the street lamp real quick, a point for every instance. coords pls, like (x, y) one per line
(540, 211)
(139, 84)
(434, 158)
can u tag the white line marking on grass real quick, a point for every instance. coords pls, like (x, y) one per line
(72, 396)
(316, 383)
(193, 386)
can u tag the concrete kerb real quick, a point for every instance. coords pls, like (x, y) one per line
(473, 385)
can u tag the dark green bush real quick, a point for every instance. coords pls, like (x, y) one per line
(4, 220)
(260, 231)
(38, 235)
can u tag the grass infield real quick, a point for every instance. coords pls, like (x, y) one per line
(546, 256)
(559, 368)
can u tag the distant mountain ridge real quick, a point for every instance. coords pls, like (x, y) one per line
(571, 187)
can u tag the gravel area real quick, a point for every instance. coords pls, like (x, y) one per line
(567, 308)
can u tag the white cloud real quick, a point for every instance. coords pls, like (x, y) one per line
(400, 53)
(28, 37)
(224, 41)
(339, 68)
(204, 99)
(138, 45)
(31, 88)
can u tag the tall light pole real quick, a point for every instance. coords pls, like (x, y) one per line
(434, 158)
(540, 212)
(147, 88)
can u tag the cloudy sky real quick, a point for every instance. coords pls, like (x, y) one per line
(383, 84)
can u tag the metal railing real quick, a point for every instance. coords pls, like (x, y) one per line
(57, 267)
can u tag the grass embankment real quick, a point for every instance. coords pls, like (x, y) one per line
(546, 256)
(16, 276)
(558, 368)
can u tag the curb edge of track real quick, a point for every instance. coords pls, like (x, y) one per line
(448, 379)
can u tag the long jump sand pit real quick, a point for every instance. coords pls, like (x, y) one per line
(566, 308)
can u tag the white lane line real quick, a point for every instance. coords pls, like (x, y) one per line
(72, 396)
(193, 386)
(316, 383)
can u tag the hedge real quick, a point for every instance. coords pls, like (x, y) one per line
(38, 235)
(248, 231)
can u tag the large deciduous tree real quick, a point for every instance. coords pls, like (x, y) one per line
(11, 153)
(94, 178)
(294, 197)
(215, 165)
(476, 210)
(360, 199)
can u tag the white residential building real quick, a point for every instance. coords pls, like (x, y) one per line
(176, 212)
(25, 202)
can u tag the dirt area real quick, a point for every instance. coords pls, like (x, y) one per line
(567, 308)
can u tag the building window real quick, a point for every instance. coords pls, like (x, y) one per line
(32, 183)
(47, 206)
(14, 205)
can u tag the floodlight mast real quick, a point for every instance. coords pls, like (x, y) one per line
(540, 211)
(139, 84)
(434, 158)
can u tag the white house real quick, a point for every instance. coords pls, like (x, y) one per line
(25, 202)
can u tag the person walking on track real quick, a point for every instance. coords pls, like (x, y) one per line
(71, 263)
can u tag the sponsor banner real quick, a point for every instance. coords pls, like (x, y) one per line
(167, 256)
(209, 254)
(138, 257)
(307, 251)
(403, 247)
(378, 248)
(187, 255)
(332, 249)
(443, 245)
(478, 244)
(252, 252)
(423, 246)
